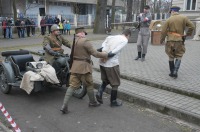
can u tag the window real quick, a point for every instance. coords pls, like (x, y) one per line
(191, 4)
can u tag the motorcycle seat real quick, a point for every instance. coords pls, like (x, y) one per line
(19, 63)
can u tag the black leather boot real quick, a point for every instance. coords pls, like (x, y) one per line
(139, 56)
(113, 99)
(171, 68)
(176, 67)
(100, 92)
(143, 57)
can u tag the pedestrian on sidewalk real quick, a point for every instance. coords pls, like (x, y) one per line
(110, 73)
(33, 25)
(28, 26)
(81, 69)
(4, 24)
(144, 33)
(68, 27)
(9, 28)
(23, 26)
(17, 24)
(53, 48)
(173, 29)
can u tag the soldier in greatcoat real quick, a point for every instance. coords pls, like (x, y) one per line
(174, 29)
(81, 70)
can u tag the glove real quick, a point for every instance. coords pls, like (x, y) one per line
(100, 49)
(57, 54)
(110, 54)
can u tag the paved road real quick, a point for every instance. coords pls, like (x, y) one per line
(154, 69)
(39, 112)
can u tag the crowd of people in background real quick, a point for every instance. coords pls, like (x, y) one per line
(26, 27)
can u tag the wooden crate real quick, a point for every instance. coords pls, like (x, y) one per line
(155, 37)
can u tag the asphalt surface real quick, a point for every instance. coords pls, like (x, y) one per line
(39, 112)
(176, 97)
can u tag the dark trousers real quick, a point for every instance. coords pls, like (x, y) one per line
(4, 33)
(19, 32)
(43, 30)
(68, 32)
(49, 27)
(28, 31)
(33, 30)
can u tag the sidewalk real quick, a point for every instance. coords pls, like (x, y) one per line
(149, 83)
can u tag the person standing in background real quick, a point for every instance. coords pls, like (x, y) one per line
(174, 29)
(144, 33)
(17, 24)
(4, 24)
(33, 27)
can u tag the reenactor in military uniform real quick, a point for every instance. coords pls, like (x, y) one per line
(53, 47)
(144, 33)
(81, 70)
(174, 29)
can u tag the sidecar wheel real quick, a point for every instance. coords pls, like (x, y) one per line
(5, 88)
(80, 92)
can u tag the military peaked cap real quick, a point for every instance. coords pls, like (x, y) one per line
(79, 30)
(175, 8)
(146, 7)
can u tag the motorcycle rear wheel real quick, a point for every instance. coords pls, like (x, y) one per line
(5, 88)
(80, 92)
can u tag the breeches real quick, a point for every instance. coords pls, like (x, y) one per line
(175, 49)
(76, 80)
(111, 75)
(143, 40)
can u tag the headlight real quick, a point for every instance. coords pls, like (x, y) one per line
(39, 65)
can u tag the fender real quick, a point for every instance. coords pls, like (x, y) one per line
(10, 75)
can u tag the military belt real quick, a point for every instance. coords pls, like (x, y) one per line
(176, 34)
(56, 49)
(82, 59)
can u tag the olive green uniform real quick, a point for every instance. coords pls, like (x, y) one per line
(55, 43)
(81, 70)
(174, 29)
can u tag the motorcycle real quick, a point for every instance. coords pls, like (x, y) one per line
(17, 63)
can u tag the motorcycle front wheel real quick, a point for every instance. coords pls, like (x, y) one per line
(80, 92)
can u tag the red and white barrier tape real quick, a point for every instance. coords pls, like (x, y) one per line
(9, 118)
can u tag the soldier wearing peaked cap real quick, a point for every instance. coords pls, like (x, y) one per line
(173, 29)
(52, 45)
(81, 68)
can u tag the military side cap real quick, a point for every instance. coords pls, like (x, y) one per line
(146, 7)
(175, 8)
(79, 30)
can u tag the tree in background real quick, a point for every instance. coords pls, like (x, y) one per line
(129, 15)
(14, 10)
(113, 13)
(99, 24)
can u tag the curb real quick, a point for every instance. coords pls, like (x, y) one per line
(4, 128)
(164, 109)
(157, 85)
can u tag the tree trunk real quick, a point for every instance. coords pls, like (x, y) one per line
(14, 10)
(113, 13)
(129, 10)
(99, 24)
(143, 3)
